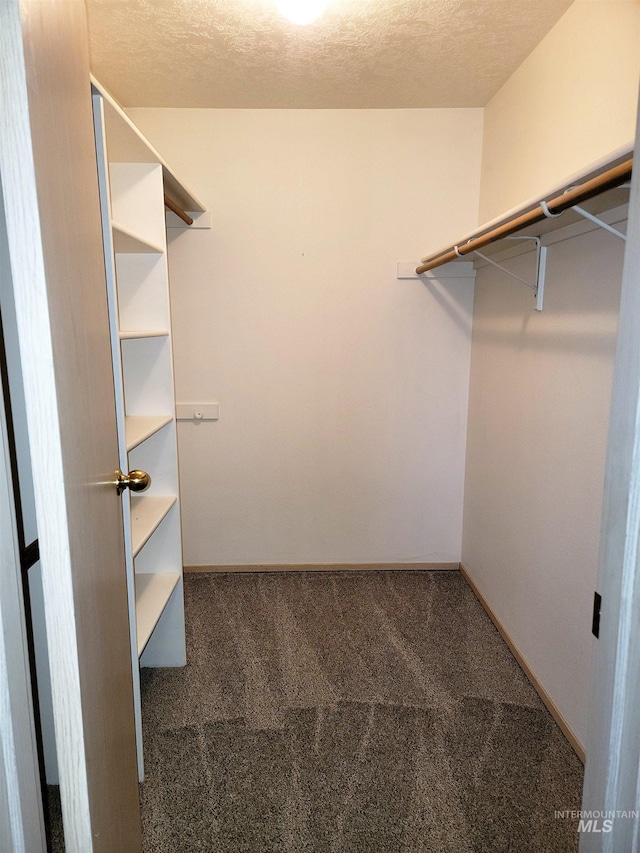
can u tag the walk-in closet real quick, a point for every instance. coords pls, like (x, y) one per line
(320, 377)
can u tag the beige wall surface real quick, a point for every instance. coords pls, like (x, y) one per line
(570, 104)
(538, 414)
(343, 391)
(540, 383)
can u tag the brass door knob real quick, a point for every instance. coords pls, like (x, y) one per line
(136, 481)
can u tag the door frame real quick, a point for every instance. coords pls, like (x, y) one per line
(611, 783)
(21, 810)
(36, 352)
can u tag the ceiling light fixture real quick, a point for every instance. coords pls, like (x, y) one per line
(301, 11)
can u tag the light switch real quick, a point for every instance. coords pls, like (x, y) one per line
(197, 411)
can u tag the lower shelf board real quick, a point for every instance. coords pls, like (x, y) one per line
(146, 514)
(125, 241)
(140, 427)
(153, 591)
(136, 334)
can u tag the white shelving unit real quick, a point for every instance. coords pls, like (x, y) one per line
(133, 181)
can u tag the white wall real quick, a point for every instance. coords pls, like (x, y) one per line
(570, 103)
(538, 416)
(540, 383)
(343, 391)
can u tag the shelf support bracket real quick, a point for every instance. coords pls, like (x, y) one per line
(541, 269)
(600, 222)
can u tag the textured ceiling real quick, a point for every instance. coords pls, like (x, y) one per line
(359, 54)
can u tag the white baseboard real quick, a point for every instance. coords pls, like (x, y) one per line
(329, 567)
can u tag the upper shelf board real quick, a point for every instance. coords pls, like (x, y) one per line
(606, 200)
(127, 144)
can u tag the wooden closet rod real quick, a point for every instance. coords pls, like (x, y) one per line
(606, 181)
(177, 210)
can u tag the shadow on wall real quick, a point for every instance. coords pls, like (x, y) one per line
(446, 295)
(528, 337)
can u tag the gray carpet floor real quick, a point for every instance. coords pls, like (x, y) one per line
(374, 711)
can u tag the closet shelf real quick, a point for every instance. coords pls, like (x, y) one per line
(133, 334)
(153, 592)
(146, 514)
(138, 428)
(126, 242)
(126, 144)
(543, 213)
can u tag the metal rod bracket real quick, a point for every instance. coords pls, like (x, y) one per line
(585, 213)
(541, 269)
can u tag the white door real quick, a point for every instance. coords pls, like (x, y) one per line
(48, 172)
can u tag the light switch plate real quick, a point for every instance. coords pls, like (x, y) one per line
(197, 411)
